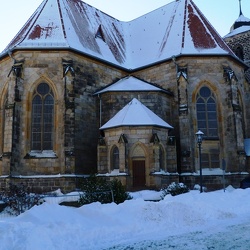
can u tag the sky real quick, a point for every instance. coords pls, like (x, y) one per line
(220, 13)
(198, 221)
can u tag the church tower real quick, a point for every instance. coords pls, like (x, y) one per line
(239, 39)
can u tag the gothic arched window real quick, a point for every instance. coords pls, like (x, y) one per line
(115, 158)
(206, 112)
(42, 124)
(161, 158)
(239, 53)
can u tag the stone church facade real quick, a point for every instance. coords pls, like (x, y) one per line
(65, 86)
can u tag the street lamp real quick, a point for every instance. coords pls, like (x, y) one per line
(199, 137)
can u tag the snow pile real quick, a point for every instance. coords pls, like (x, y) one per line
(189, 221)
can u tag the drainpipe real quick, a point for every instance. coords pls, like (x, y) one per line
(65, 107)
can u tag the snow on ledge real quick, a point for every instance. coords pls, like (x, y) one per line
(114, 172)
(42, 154)
(163, 172)
(213, 171)
(46, 176)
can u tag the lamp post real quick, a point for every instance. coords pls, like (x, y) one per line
(199, 137)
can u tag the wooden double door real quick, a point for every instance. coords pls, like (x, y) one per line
(139, 177)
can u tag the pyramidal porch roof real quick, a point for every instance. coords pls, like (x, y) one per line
(130, 83)
(178, 28)
(135, 114)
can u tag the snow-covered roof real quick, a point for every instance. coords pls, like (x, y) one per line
(178, 28)
(241, 25)
(135, 114)
(130, 83)
(237, 31)
(242, 18)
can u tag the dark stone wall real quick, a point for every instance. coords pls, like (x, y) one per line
(159, 103)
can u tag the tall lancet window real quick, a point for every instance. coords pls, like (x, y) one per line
(115, 158)
(207, 113)
(42, 118)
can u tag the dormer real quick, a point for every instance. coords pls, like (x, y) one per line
(99, 33)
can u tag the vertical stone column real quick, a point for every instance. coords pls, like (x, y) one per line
(171, 155)
(237, 110)
(7, 138)
(69, 116)
(123, 153)
(102, 156)
(9, 112)
(238, 120)
(156, 153)
(184, 123)
(237, 117)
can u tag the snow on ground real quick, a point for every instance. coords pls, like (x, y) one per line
(214, 220)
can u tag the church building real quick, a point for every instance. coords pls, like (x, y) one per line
(84, 93)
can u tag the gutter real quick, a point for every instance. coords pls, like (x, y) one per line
(127, 70)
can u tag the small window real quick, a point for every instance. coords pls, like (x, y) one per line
(210, 160)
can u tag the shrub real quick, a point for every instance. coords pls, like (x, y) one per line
(119, 191)
(97, 189)
(18, 199)
(175, 189)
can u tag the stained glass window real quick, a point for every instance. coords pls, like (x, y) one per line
(206, 112)
(42, 118)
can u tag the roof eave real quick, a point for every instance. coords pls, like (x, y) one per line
(117, 91)
(5, 53)
(125, 69)
(139, 125)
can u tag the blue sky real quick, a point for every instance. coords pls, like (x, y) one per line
(220, 13)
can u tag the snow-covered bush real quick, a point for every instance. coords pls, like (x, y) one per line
(18, 199)
(96, 189)
(198, 187)
(175, 189)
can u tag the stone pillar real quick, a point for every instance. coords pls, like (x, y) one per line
(69, 116)
(123, 153)
(102, 156)
(156, 153)
(184, 120)
(9, 113)
(238, 119)
(171, 155)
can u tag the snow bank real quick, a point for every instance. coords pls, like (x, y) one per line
(97, 226)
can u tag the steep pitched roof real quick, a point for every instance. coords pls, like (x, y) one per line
(130, 83)
(178, 28)
(135, 114)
